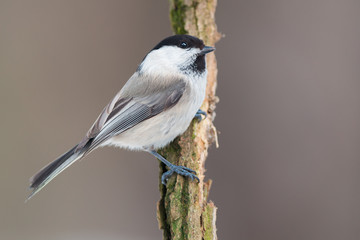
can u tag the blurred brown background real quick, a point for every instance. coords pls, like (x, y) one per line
(288, 166)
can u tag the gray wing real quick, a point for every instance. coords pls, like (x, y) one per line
(124, 112)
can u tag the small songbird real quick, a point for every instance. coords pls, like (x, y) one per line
(156, 105)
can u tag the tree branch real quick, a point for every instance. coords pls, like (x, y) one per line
(183, 210)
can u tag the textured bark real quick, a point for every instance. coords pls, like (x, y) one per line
(183, 210)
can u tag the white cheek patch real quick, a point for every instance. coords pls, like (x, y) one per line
(168, 58)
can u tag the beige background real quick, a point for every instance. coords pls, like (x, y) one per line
(288, 166)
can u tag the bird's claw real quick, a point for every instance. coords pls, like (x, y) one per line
(181, 170)
(199, 115)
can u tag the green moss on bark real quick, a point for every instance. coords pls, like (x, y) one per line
(207, 221)
(177, 16)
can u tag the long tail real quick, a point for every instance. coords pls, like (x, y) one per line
(50, 171)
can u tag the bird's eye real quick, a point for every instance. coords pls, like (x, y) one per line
(183, 45)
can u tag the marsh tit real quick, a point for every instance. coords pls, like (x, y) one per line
(156, 105)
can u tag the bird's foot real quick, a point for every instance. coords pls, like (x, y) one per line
(199, 115)
(181, 170)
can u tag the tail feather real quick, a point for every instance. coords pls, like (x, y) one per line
(50, 171)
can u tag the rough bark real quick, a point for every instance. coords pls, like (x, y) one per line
(183, 210)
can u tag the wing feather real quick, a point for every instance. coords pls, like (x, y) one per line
(123, 113)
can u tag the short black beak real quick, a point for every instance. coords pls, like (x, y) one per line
(206, 50)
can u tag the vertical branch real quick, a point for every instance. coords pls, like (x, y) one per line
(183, 210)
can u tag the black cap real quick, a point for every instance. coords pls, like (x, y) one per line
(181, 41)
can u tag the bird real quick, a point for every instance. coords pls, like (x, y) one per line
(156, 104)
